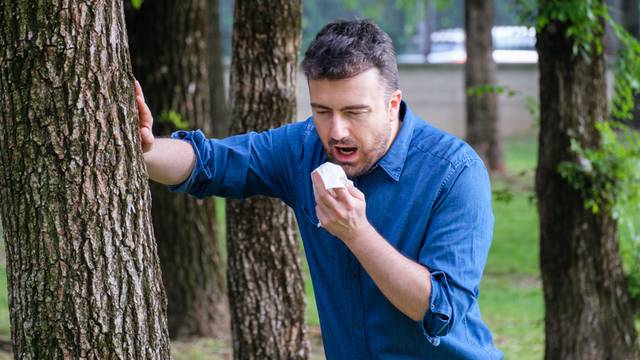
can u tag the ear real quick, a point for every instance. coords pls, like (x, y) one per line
(394, 104)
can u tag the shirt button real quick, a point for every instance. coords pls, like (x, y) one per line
(433, 306)
(354, 274)
(357, 325)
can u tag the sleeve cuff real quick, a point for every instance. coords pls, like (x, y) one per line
(195, 138)
(437, 320)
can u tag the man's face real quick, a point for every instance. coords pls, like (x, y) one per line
(355, 120)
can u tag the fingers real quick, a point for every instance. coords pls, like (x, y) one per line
(143, 109)
(146, 120)
(355, 192)
(146, 137)
(328, 217)
(318, 185)
(322, 217)
(138, 89)
(342, 195)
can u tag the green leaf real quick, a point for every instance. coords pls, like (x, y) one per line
(136, 4)
(174, 118)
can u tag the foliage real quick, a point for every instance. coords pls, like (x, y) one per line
(527, 11)
(627, 73)
(504, 195)
(136, 4)
(608, 176)
(609, 179)
(492, 88)
(413, 17)
(584, 19)
(173, 118)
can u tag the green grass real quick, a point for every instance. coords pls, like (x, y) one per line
(511, 298)
(521, 153)
(312, 309)
(5, 329)
(513, 308)
(515, 242)
(200, 349)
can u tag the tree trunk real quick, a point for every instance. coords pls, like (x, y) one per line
(588, 314)
(480, 69)
(83, 273)
(168, 40)
(430, 25)
(631, 20)
(266, 290)
(219, 111)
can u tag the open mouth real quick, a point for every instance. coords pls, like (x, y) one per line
(346, 151)
(345, 154)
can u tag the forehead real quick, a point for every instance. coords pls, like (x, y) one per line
(364, 87)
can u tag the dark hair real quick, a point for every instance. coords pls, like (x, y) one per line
(346, 48)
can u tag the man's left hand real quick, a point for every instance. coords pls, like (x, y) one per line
(341, 211)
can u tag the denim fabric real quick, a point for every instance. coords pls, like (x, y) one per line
(429, 197)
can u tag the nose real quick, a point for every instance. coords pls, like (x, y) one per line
(339, 128)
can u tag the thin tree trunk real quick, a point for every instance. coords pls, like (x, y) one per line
(588, 313)
(430, 24)
(83, 273)
(169, 50)
(266, 290)
(219, 111)
(480, 69)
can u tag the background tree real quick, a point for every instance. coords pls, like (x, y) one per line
(588, 314)
(218, 101)
(266, 290)
(630, 11)
(83, 274)
(480, 71)
(168, 40)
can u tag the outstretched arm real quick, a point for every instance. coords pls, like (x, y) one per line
(169, 161)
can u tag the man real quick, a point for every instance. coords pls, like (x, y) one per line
(397, 257)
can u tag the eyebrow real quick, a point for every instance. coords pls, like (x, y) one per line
(350, 107)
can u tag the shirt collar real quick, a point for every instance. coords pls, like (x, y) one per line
(393, 160)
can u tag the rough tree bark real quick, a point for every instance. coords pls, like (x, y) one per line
(83, 273)
(480, 69)
(168, 41)
(266, 292)
(588, 314)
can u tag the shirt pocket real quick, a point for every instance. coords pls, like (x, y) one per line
(311, 217)
(326, 254)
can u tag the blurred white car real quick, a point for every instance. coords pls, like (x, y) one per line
(511, 44)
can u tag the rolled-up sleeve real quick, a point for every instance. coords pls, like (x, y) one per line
(238, 166)
(455, 251)
(437, 319)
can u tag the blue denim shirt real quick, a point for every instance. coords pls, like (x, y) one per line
(429, 196)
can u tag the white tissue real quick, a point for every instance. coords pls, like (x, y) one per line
(332, 175)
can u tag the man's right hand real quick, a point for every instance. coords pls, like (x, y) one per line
(170, 161)
(146, 120)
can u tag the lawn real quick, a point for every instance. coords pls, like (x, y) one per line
(511, 298)
(510, 294)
